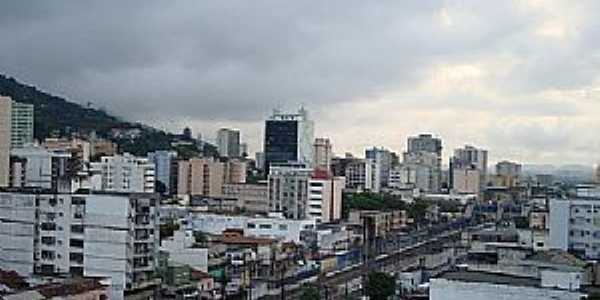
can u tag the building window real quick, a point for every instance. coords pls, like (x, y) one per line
(265, 226)
(251, 225)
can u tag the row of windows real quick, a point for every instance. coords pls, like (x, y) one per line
(266, 226)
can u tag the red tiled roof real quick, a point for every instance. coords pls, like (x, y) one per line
(75, 287)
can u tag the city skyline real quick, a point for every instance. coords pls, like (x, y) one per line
(517, 78)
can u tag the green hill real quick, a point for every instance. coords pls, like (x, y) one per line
(55, 116)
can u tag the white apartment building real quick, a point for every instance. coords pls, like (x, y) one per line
(417, 171)
(288, 190)
(325, 197)
(33, 166)
(575, 222)
(228, 142)
(382, 164)
(99, 235)
(5, 124)
(359, 175)
(124, 174)
(425, 149)
(275, 227)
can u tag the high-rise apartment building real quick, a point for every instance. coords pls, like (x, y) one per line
(575, 222)
(124, 173)
(206, 176)
(463, 165)
(470, 156)
(288, 190)
(508, 168)
(228, 142)
(95, 235)
(33, 166)
(325, 197)
(382, 161)
(360, 175)
(322, 153)
(21, 124)
(165, 168)
(289, 138)
(507, 174)
(418, 146)
(5, 139)
(418, 170)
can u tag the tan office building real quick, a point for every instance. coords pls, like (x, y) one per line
(5, 139)
(200, 177)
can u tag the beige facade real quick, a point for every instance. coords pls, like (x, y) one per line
(201, 177)
(466, 181)
(78, 148)
(5, 139)
(235, 171)
(322, 153)
(252, 197)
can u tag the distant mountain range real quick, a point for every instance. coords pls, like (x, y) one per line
(55, 116)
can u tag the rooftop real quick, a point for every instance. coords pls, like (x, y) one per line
(491, 278)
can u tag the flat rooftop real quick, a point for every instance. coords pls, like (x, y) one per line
(492, 278)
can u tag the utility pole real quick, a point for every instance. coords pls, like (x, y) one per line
(282, 281)
(365, 257)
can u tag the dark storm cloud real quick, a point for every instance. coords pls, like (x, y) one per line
(232, 61)
(210, 57)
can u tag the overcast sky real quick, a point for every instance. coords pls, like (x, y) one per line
(519, 78)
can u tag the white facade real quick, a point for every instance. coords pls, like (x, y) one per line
(278, 228)
(288, 190)
(228, 142)
(575, 224)
(34, 166)
(442, 289)
(359, 175)
(125, 173)
(112, 236)
(425, 149)
(5, 124)
(418, 170)
(325, 199)
(382, 162)
(182, 251)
